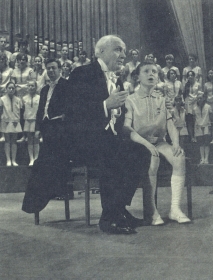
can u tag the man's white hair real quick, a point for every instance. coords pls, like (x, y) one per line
(102, 42)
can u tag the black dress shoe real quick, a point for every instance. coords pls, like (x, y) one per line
(211, 192)
(135, 222)
(113, 228)
(62, 197)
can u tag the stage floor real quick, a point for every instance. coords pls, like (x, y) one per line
(60, 250)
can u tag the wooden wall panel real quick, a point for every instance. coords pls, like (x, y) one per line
(45, 20)
(85, 23)
(64, 20)
(40, 16)
(114, 21)
(80, 18)
(75, 26)
(5, 16)
(103, 16)
(58, 22)
(97, 23)
(17, 23)
(77, 22)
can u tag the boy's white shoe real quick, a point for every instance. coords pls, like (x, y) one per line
(179, 216)
(2, 139)
(157, 221)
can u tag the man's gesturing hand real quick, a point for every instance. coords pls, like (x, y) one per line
(116, 98)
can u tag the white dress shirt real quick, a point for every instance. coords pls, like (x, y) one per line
(111, 85)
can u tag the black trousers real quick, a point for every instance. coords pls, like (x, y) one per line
(51, 170)
(122, 165)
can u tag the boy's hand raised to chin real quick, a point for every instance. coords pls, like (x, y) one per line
(116, 98)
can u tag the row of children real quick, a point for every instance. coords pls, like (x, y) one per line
(44, 53)
(11, 107)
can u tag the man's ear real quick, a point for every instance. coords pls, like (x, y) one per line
(102, 50)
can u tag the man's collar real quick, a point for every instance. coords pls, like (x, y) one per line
(53, 83)
(104, 68)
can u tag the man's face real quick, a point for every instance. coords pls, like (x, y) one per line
(148, 75)
(113, 54)
(53, 71)
(3, 43)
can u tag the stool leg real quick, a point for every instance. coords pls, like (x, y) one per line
(87, 197)
(189, 200)
(67, 206)
(36, 214)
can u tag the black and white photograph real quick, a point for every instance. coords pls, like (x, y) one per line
(106, 139)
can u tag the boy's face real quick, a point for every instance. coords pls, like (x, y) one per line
(44, 51)
(169, 61)
(64, 51)
(65, 67)
(31, 86)
(210, 74)
(134, 55)
(11, 90)
(172, 75)
(191, 60)
(148, 75)
(191, 77)
(37, 61)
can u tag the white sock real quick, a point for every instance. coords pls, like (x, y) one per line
(177, 185)
(153, 182)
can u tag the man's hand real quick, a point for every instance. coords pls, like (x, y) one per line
(116, 98)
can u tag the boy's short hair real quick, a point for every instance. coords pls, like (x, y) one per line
(137, 70)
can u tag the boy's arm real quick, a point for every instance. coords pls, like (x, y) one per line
(135, 137)
(173, 133)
